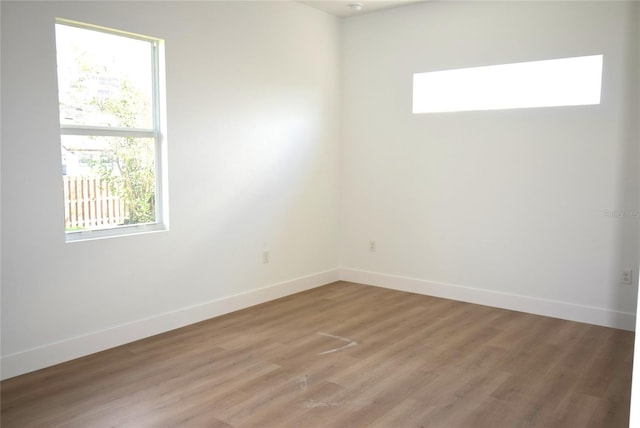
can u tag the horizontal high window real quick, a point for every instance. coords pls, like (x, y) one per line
(549, 83)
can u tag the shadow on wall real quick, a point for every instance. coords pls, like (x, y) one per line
(627, 214)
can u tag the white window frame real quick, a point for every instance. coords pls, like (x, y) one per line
(157, 133)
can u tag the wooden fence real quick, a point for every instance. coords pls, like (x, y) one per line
(89, 203)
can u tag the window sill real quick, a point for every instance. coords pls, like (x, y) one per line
(117, 232)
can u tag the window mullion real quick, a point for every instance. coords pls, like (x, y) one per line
(103, 131)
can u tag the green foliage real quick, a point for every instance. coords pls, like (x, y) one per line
(127, 166)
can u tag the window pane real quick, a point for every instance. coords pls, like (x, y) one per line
(558, 82)
(104, 79)
(108, 181)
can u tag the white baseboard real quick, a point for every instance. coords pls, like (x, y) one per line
(66, 350)
(515, 302)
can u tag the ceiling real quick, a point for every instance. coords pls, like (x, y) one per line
(342, 9)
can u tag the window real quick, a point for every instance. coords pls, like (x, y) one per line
(558, 82)
(109, 87)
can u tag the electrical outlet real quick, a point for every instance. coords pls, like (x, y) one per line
(372, 246)
(265, 256)
(627, 276)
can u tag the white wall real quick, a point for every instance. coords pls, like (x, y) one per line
(253, 117)
(505, 208)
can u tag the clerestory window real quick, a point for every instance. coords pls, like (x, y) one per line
(550, 83)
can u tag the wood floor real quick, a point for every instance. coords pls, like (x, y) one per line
(343, 355)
